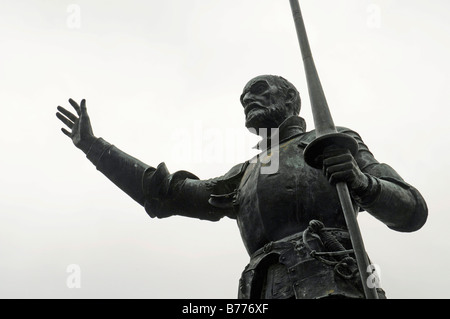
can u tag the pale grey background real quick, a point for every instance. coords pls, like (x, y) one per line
(164, 77)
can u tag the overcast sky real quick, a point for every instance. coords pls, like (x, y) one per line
(162, 81)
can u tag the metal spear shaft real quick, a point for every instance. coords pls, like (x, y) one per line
(327, 135)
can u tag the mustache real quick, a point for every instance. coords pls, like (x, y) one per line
(251, 106)
(274, 108)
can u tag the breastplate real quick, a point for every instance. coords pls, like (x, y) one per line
(281, 203)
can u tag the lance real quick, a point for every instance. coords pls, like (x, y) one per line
(326, 136)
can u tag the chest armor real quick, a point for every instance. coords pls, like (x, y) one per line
(278, 202)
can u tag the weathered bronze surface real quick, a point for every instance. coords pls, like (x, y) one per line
(272, 209)
(327, 137)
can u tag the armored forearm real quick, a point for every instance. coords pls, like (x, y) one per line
(397, 204)
(161, 193)
(123, 170)
(388, 197)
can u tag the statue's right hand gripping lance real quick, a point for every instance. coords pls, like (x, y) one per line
(326, 136)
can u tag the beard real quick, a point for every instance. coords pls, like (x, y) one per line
(266, 117)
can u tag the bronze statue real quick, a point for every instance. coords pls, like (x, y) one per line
(290, 219)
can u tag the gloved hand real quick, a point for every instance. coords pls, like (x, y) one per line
(339, 165)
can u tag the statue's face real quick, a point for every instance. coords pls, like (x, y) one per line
(264, 103)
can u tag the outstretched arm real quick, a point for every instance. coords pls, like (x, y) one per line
(123, 170)
(161, 193)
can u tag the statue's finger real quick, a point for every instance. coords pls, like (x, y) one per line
(337, 159)
(341, 176)
(65, 120)
(71, 116)
(339, 168)
(83, 107)
(66, 132)
(331, 151)
(75, 106)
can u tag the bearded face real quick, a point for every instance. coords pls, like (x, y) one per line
(264, 104)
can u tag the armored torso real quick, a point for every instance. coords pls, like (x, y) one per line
(273, 206)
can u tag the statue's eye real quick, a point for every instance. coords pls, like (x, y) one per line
(259, 87)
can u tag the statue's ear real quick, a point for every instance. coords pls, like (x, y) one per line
(290, 99)
(290, 96)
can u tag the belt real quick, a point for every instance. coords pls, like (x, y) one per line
(302, 238)
(279, 245)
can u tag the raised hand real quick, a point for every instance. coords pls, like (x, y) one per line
(80, 126)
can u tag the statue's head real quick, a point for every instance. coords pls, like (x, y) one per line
(268, 100)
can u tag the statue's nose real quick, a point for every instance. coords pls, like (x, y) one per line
(248, 97)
